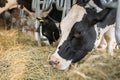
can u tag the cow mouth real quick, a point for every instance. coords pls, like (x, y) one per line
(59, 63)
(59, 66)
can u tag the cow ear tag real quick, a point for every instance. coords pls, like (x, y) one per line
(40, 20)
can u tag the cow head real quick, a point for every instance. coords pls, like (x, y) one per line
(49, 29)
(79, 42)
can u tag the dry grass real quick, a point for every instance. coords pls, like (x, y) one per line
(21, 59)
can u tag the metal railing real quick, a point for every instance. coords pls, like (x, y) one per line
(38, 6)
(63, 5)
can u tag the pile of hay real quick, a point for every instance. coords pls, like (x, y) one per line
(21, 59)
(13, 54)
(98, 66)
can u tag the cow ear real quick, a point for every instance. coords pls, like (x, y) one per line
(72, 32)
(98, 17)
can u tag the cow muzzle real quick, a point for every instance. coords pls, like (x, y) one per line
(59, 63)
(55, 62)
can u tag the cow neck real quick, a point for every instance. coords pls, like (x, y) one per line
(52, 19)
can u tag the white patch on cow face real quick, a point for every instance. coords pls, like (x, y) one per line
(62, 65)
(75, 14)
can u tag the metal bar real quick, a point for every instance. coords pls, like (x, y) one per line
(117, 28)
(109, 3)
(46, 5)
(60, 4)
(37, 34)
(64, 9)
(36, 7)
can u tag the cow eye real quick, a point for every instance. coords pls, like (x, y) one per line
(77, 34)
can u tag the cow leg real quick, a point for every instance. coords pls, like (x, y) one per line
(103, 43)
(117, 28)
(110, 39)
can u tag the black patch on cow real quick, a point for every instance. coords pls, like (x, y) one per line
(82, 2)
(3, 3)
(109, 20)
(55, 14)
(91, 11)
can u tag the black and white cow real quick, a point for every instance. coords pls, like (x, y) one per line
(78, 35)
(50, 30)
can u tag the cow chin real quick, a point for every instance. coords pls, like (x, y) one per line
(59, 62)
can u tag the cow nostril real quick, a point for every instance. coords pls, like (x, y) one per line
(53, 62)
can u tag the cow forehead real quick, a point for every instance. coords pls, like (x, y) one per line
(75, 14)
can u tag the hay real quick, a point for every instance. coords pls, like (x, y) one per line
(21, 59)
(97, 67)
(13, 54)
